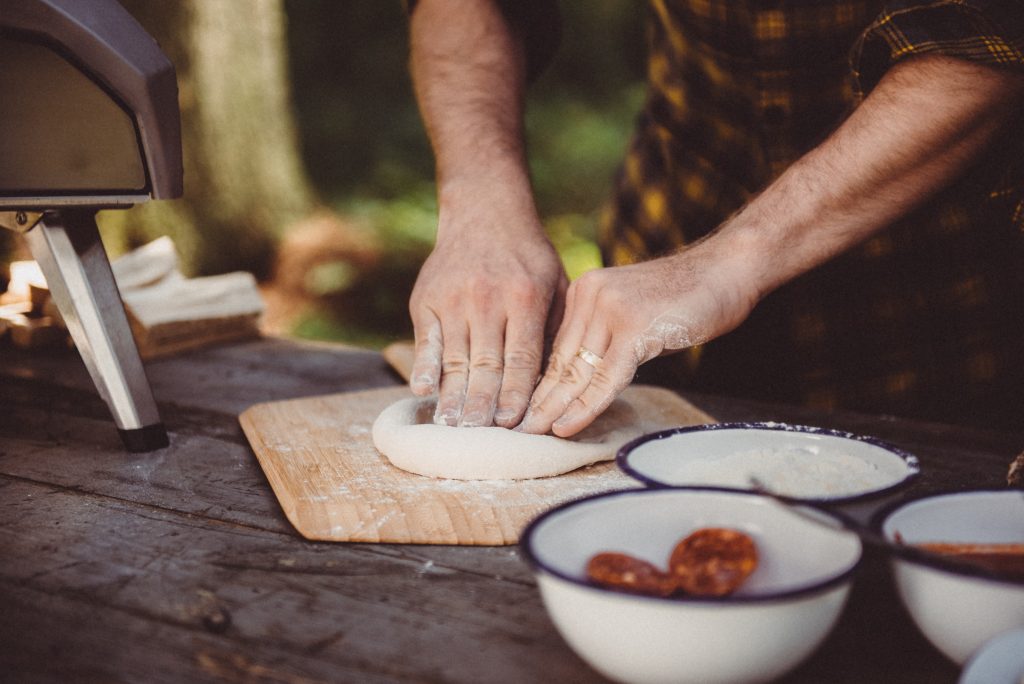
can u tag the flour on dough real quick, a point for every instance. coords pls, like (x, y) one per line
(406, 434)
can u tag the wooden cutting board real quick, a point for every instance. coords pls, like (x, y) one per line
(333, 485)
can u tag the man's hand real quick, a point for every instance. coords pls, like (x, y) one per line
(484, 298)
(481, 307)
(628, 315)
(928, 119)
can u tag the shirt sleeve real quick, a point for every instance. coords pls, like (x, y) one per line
(983, 31)
(538, 24)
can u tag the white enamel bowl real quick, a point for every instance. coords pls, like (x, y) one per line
(773, 622)
(958, 609)
(834, 466)
(998, 661)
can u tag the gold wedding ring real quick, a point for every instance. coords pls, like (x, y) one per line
(588, 356)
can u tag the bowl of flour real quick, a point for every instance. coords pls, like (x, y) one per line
(795, 461)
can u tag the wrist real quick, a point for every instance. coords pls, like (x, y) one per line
(506, 172)
(497, 204)
(740, 261)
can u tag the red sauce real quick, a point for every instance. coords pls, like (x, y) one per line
(1004, 559)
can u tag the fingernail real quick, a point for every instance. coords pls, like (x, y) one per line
(424, 382)
(504, 415)
(562, 422)
(472, 420)
(530, 424)
(449, 417)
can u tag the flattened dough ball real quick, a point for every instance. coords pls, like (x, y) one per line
(406, 434)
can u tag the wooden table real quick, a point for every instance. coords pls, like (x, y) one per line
(178, 565)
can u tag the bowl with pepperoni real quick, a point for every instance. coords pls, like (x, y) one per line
(691, 584)
(962, 578)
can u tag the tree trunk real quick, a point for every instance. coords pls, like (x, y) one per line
(244, 179)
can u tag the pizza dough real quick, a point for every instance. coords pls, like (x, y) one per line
(406, 434)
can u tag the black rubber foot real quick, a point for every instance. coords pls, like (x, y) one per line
(148, 438)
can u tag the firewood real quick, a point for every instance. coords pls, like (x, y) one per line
(148, 265)
(181, 314)
(26, 283)
(30, 331)
(168, 313)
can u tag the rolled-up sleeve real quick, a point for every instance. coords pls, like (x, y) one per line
(983, 31)
(538, 24)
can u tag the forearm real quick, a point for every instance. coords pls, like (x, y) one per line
(468, 70)
(922, 126)
(493, 283)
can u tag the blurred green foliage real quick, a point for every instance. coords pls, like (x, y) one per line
(369, 158)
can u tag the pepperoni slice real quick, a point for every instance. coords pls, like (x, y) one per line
(626, 573)
(713, 561)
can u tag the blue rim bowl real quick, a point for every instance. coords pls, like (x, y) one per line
(629, 457)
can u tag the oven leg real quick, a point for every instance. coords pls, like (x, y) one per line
(67, 246)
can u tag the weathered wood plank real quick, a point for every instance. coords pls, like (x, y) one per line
(47, 638)
(205, 477)
(232, 378)
(178, 565)
(338, 604)
(324, 612)
(210, 471)
(227, 379)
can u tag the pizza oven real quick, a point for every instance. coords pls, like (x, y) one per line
(89, 120)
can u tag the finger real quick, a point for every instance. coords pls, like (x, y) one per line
(611, 376)
(426, 365)
(556, 314)
(575, 378)
(486, 364)
(454, 375)
(567, 343)
(524, 343)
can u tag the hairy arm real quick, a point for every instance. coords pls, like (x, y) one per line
(468, 71)
(484, 298)
(926, 121)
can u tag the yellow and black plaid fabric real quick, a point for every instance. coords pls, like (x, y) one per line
(927, 318)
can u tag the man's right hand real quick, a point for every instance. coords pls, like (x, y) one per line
(484, 303)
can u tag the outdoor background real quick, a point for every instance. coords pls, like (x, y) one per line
(368, 155)
(307, 164)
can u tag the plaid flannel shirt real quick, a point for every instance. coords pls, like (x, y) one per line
(925, 319)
